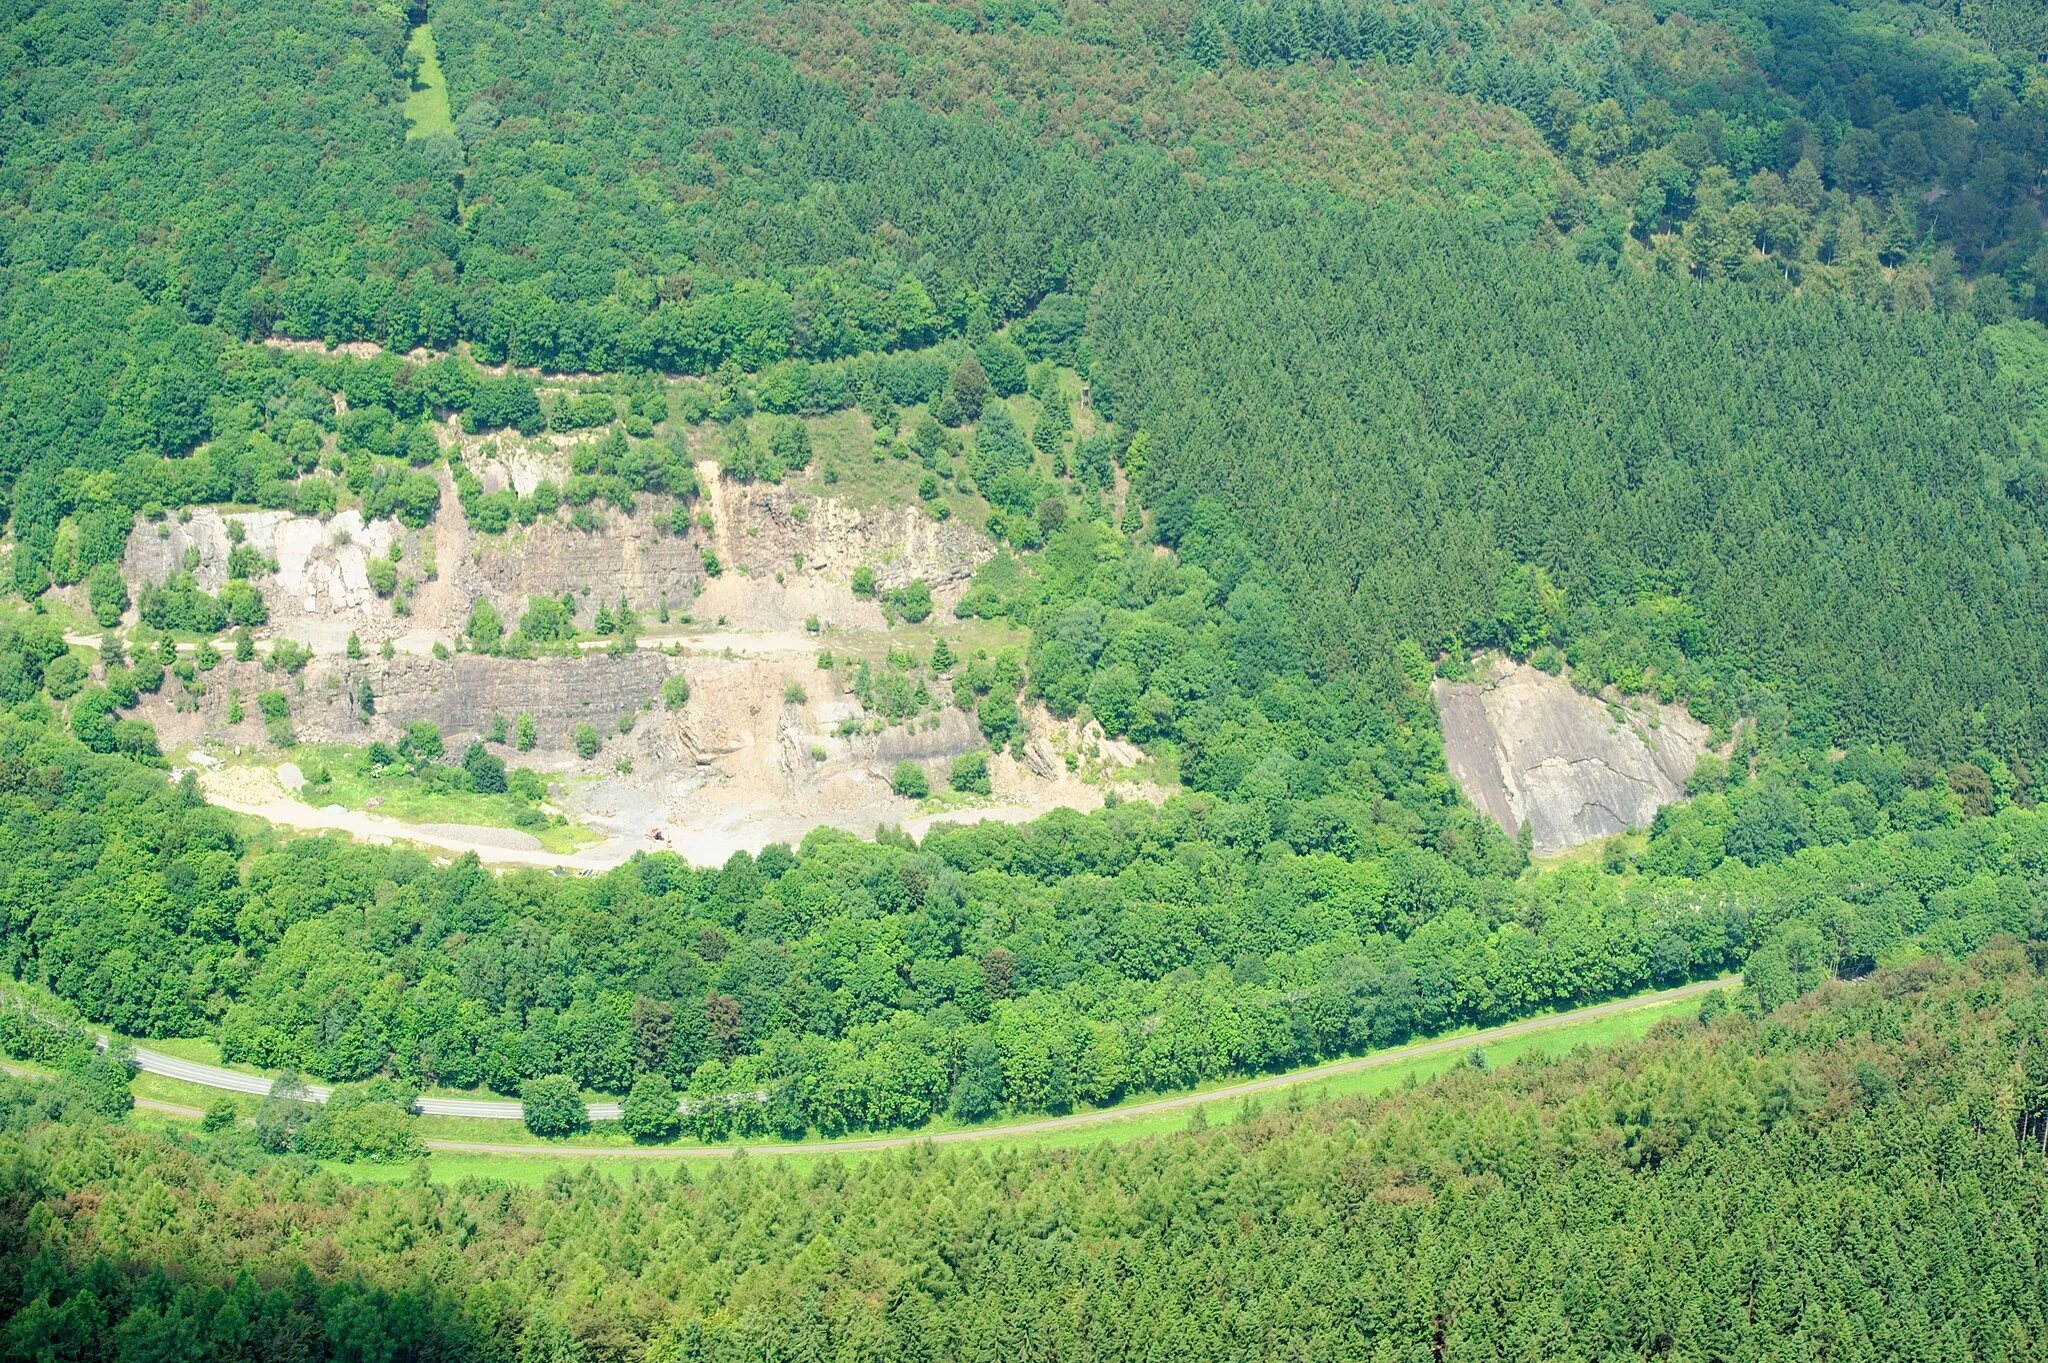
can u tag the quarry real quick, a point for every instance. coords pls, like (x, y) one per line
(764, 602)
(769, 744)
(1529, 749)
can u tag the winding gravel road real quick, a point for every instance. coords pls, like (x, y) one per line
(213, 1076)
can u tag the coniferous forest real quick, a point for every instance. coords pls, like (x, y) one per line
(1857, 1176)
(1690, 350)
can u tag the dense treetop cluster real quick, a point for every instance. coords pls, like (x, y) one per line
(1285, 911)
(1371, 439)
(1824, 1180)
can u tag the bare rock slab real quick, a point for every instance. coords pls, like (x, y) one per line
(1524, 745)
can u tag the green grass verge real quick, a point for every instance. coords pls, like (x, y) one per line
(409, 799)
(158, 1088)
(1597, 1031)
(426, 108)
(848, 468)
(54, 608)
(199, 1050)
(1607, 1028)
(844, 467)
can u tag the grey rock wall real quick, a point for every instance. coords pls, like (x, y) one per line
(322, 565)
(758, 529)
(787, 551)
(460, 694)
(635, 555)
(1527, 746)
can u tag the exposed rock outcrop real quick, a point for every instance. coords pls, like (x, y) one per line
(762, 527)
(322, 565)
(768, 745)
(1526, 746)
(632, 554)
(459, 694)
(785, 553)
(462, 693)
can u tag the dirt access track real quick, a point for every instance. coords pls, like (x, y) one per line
(741, 828)
(151, 1062)
(374, 828)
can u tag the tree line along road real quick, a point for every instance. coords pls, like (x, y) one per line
(214, 1076)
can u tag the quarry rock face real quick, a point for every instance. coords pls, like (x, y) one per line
(950, 733)
(757, 579)
(784, 554)
(631, 555)
(1524, 745)
(322, 565)
(762, 527)
(462, 693)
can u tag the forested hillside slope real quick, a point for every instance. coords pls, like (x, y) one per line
(655, 190)
(1265, 365)
(851, 985)
(1858, 1176)
(1772, 140)
(1726, 492)
(1336, 445)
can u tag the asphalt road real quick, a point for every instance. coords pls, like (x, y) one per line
(212, 1076)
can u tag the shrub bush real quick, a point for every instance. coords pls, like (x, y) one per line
(286, 1113)
(552, 1107)
(486, 770)
(650, 1112)
(353, 1126)
(913, 601)
(970, 773)
(909, 781)
(107, 593)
